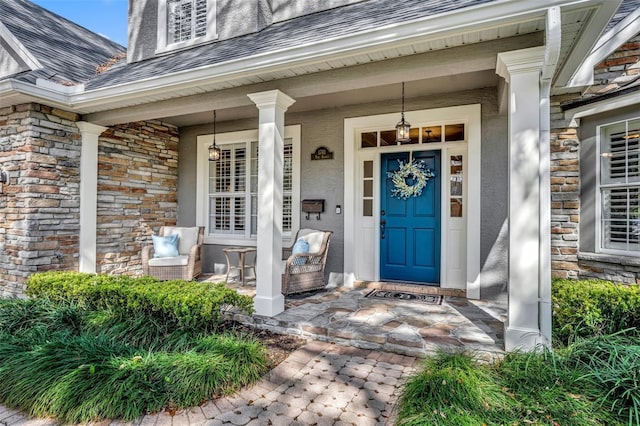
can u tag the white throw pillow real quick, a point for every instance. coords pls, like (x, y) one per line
(188, 237)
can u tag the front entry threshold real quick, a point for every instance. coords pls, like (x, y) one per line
(412, 288)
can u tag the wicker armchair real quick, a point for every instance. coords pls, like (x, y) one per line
(305, 271)
(186, 266)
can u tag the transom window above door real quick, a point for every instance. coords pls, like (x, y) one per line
(183, 23)
(417, 135)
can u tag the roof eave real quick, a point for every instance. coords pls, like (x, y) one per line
(479, 17)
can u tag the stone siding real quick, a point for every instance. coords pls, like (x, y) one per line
(39, 207)
(620, 70)
(607, 267)
(40, 150)
(565, 193)
(137, 191)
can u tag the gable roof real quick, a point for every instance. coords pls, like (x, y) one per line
(67, 52)
(303, 30)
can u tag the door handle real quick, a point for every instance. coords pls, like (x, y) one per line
(383, 223)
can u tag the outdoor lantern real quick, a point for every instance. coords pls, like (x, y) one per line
(403, 127)
(214, 150)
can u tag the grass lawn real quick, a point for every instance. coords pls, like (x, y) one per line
(78, 363)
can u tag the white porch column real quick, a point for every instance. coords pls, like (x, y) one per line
(521, 70)
(272, 104)
(88, 194)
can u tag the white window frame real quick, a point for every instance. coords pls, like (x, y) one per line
(163, 44)
(599, 188)
(202, 187)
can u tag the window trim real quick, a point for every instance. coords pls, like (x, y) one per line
(598, 196)
(202, 175)
(163, 44)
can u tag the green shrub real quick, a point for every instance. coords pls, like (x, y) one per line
(593, 307)
(78, 364)
(524, 388)
(191, 305)
(613, 364)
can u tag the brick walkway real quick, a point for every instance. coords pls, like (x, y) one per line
(319, 384)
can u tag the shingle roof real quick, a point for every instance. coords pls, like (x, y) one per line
(626, 7)
(303, 30)
(67, 51)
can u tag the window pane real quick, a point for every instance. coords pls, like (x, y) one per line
(414, 135)
(254, 167)
(368, 169)
(454, 132)
(286, 213)
(186, 19)
(288, 166)
(432, 134)
(456, 207)
(368, 188)
(240, 170)
(179, 20)
(201, 18)
(620, 155)
(621, 219)
(388, 137)
(367, 207)
(369, 139)
(234, 204)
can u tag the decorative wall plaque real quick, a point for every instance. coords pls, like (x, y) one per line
(322, 153)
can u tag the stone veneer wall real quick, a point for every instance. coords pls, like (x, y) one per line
(614, 73)
(40, 150)
(137, 191)
(565, 193)
(39, 207)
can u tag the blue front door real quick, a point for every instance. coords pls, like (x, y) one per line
(410, 228)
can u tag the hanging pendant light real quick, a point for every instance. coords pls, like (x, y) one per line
(214, 150)
(403, 127)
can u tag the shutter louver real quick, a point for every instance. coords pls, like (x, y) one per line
(620, 187)
(186, 20)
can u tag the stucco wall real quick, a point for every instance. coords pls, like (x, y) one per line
(324, 179)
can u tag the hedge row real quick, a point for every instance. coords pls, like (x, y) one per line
(586, 308)
(190, 305)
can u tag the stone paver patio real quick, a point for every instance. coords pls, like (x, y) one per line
(347, 317)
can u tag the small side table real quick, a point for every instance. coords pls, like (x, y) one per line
(240, 267)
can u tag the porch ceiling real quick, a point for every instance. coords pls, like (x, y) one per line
(374, 94)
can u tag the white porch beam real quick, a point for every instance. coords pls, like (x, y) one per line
(521, 69)
(88, 194)
(272, 105)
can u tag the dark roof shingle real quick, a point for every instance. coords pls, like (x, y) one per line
(298, 31)
(68, 52)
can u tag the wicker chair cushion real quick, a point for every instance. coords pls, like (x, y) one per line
(188, 237)
(315, 241)
(165, 246)
(169, 261)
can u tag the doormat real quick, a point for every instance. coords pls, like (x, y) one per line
(433, 299)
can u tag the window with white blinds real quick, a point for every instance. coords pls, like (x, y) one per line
(620, 186)
(186, 20)
(233, 204)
